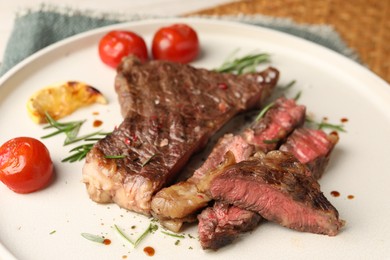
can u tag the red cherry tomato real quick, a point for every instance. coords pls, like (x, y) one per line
(25, 165)
(177, 42)
(118, 44)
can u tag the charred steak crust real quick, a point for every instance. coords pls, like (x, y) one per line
(275, 187)
(198, 93)
(170, 112)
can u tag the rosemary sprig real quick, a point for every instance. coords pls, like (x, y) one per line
(79, 153)
(148, 160)
(325, 125)
(123, 235)
(244, 64)
(151, 228)
(289, 85)
(70, 129)
(298, 95)
(263, 111)
(172, 234)
(94, 238)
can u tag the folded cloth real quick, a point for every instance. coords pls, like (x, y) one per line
(37, 29)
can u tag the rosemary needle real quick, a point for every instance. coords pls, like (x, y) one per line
(244, 64)
(263, 111)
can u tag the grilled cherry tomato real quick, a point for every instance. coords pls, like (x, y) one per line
(177, 42)
(25, 165)
(118, 44)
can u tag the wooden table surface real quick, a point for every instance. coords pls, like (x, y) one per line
(363, 24)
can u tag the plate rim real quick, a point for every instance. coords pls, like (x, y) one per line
(368, 75)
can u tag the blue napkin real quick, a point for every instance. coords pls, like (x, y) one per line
(37, 29)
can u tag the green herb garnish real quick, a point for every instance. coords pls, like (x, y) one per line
(52, 232)
(70, 129)
(148, 160)
(271, 141)
(289, 85)
(123, 235)
(298, 95)
(94, 238)
(325, 125)
(172, 234)
(263, 111)
(177, 242)
(151, 228)
(242, 65)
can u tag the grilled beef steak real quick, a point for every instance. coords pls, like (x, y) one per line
(279, 188)
(311, 147)
(170, 112)
(179, 201)
(222, 223)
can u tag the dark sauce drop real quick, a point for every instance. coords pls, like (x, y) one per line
(149, 251)
(344, 120)
(350, 197)
(106, 241)
(97, 123)
(335, 193)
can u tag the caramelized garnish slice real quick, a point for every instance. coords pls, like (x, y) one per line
(62, 100)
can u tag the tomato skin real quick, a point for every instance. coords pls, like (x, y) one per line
(118, 44)
(177, 42)
(25, 165)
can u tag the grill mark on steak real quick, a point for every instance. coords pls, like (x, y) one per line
(274, 187)
(279, 121)
(170, 111)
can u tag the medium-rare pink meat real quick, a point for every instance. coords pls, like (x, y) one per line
(170, 111)
(173, 204)
(279, 188)
(311, 147)
(222, 223)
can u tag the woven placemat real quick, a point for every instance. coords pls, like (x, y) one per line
(363, 24)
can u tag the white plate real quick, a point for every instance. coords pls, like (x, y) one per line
(332, 86)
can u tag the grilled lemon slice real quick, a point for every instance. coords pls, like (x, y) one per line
(62, 100)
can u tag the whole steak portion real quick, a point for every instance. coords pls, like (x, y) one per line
(279, 188)
(170, 111)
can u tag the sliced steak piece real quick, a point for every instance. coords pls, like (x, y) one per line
(311, 147)
(279, 188)
(221, 224)
(178, 201)
(278, 122)
(170, 111)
